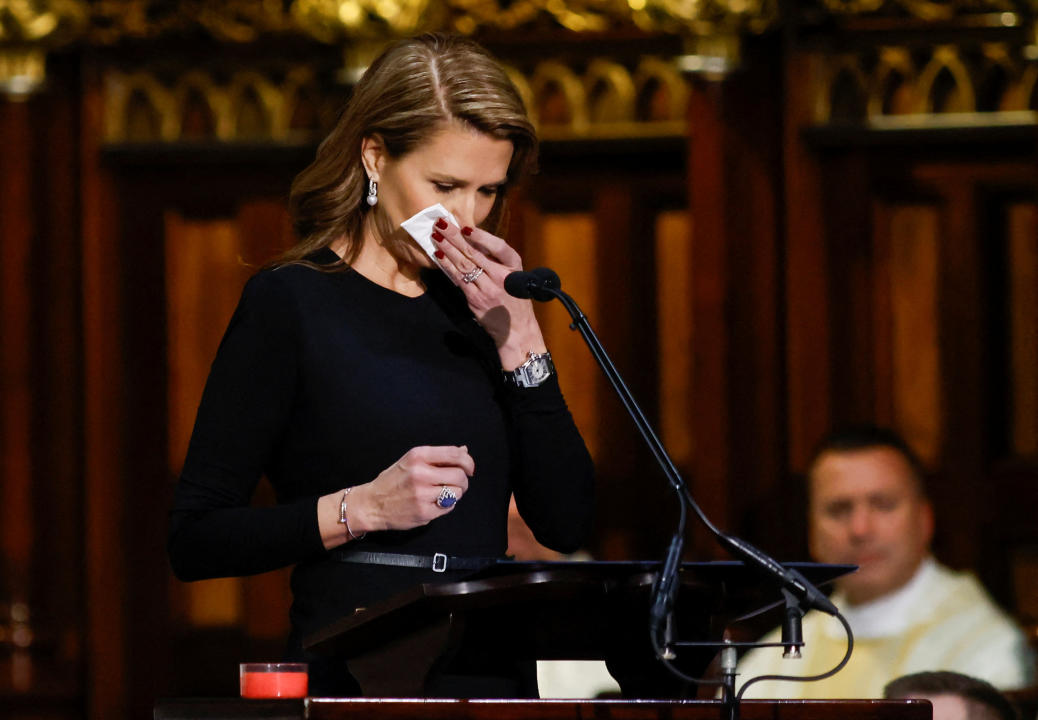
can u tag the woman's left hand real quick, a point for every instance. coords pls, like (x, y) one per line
(510, 321)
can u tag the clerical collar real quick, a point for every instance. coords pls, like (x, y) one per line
(893, 613)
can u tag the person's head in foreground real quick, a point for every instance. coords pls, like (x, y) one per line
(867, 507)
(954, 696)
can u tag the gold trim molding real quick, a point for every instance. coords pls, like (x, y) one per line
(334, 21)
(977, 82)
(235, 21)
(337, 20)
(929, 10)
(247, 108)
(602, 100)
(31, 28)
(28, 29)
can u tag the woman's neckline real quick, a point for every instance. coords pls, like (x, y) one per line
(327, 256)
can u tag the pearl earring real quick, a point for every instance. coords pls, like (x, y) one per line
(372, 193)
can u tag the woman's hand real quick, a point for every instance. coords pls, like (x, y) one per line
(402, 497)
(509, 321)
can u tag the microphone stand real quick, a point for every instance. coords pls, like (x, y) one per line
(543, 284)
(665, 589)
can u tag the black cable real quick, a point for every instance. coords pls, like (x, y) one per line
(543, 284)
(784, 678)
(662, 657)
(807, 678)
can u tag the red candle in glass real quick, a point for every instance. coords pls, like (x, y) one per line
(273, 680)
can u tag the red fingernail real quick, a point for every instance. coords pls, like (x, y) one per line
(442, 224)
(439, 254)
(436, 236)
(466, 231)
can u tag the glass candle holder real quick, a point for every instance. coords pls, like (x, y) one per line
(273, 680)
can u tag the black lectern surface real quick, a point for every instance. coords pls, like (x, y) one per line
(545, 611)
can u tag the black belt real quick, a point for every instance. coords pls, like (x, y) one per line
(438, 562)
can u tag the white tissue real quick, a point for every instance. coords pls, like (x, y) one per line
(420, 227)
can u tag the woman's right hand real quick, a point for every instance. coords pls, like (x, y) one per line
(403, 496)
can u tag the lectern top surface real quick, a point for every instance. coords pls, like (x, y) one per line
(707, 571)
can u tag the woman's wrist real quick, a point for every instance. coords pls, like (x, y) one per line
(363, 510)
(515, 352)
(344, 516)
(338, 518)
(332, 533)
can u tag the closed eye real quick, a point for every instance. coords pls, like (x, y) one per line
(837, 510)
(884, 503)
(443, 188)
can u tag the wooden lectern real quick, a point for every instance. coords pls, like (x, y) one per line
(397, 709)
(549, 611)
(543, 611)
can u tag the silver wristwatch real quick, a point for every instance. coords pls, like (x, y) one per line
(537, 368)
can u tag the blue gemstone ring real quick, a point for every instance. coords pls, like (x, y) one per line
(446, 498)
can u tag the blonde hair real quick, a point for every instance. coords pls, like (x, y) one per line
(408, 93)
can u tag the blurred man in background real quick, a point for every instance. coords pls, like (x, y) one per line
(868, 507)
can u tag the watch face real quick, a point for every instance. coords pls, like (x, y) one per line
(539, 371)
(534, 371)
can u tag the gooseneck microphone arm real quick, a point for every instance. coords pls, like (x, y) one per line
(543, 284)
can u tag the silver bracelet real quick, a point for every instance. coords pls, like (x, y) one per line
(343, 520)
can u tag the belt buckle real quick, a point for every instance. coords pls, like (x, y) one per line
(439, 562)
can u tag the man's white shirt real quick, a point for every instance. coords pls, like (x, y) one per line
(939, 620)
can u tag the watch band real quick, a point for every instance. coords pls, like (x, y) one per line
(537, 368)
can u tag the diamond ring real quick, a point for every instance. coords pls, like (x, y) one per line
(472, 275)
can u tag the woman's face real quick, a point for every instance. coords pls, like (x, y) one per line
(458, 167)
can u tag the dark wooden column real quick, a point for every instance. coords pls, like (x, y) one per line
(806, 279)
(963, 327)
(735, 130)
(628, 474)
(40, 393)
(17, 228)
(104, 422)
(57, 417)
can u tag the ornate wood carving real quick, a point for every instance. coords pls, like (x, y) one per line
(602, 98)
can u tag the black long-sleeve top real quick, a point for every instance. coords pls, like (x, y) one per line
(325, 379)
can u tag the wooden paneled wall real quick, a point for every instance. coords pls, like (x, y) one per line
(928, 328)
(1022, 325)
(756, 281)
(42, 612)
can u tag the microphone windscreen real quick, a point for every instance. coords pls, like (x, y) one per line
(548, 278)
(517, 284)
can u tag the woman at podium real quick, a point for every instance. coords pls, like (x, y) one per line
(381, 378)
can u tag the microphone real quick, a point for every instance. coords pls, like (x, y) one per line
(791, 578)
(792, 626)
(536, 284)
(543, 284)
